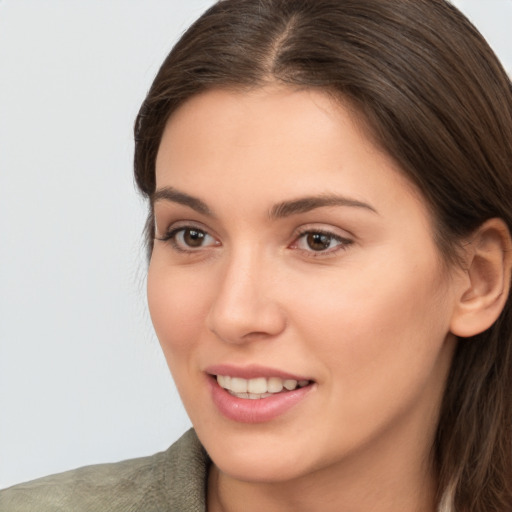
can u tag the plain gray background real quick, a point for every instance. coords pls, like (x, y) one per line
(82, 378)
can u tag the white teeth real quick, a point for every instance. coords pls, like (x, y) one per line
(238, 385)
(259, 387)
(290, 384)
(250, 396)
(224, 381)
(274, 385)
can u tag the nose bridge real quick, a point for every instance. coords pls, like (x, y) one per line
(244, 305)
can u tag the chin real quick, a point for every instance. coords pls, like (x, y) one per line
(264, 468)
(262, 454)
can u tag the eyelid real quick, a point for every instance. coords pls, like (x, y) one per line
(170, 233)
(333, 233)
(176, 225)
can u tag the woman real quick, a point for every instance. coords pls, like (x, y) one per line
(330, 264)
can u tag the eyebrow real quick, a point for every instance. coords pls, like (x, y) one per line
(171, 194)
(278, 211)
(306, 204)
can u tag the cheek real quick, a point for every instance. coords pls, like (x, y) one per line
(379, 342)
(177, 304)
(379, 323)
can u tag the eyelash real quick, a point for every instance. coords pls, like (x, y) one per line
(342, 243)
(171, 235)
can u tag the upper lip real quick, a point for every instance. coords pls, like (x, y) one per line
(252, 372)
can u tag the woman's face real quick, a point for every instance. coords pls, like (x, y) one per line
(290, 252)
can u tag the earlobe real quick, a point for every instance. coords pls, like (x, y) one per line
(485, 287)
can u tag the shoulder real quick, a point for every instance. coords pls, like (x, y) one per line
(169, 481)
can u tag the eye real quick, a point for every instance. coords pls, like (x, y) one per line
(320, 242)
(189, 238)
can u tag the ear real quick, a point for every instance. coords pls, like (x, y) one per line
(485, 285)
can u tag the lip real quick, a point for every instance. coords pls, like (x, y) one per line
(252, 372)
(260, 410)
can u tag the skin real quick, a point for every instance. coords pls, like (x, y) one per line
(367, 318)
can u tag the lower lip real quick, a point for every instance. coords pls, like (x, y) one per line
(260, 410)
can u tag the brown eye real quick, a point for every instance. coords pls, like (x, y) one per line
(190, 238)
(193, 237)
(318, 241)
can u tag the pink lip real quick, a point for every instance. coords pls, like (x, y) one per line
(260, 410)
(251, 372)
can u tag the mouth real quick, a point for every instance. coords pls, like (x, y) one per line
(256, 394)
(259, 387)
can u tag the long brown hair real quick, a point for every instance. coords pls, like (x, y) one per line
(434, 96)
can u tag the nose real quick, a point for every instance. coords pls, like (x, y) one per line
(245, 306)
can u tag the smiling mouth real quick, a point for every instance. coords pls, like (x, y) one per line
(259, 387)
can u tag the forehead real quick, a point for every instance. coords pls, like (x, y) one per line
(273, 142)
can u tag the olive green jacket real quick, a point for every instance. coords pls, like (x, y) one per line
(170, 481)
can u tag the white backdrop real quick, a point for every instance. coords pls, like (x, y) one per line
(82, 378)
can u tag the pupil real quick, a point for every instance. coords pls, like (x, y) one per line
(318, 241)
(193, 237)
